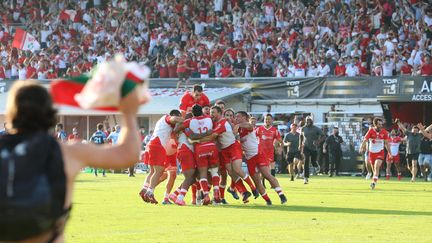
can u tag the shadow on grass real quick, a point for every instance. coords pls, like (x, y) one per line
(308, 209)
(86, 180)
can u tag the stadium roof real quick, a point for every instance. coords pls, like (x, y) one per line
(163, 100)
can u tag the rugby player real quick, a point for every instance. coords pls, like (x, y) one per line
(185, 156)
(269, 137)
(189, 99)
(394, 143)
(206, 153)
(222, 170)
(157, 156)
(231, 153)
(378, 138)
(229, 116)
(256, 162)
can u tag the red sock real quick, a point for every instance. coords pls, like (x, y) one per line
(176, 192)
(233, 185)
(265, 196)
(399, 177)
(194, 191)
(183, 192)
(204, 185)
(240, 186)
(222, 191)
(375, 179)
(215, 182)
(248, 180)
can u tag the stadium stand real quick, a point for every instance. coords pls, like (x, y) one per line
(220, 38)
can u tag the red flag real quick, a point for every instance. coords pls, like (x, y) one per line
(25, 41)
(18, 38)
(67, 14)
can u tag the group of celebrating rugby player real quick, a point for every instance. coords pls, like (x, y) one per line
(209, 143)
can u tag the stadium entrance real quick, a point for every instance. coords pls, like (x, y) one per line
(411, 112)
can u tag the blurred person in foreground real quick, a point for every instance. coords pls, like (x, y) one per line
(29, 115)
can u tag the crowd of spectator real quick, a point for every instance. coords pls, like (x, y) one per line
(221, 38)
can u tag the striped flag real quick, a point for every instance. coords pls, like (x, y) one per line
(24, 41)
(64, 91)
(67, 14)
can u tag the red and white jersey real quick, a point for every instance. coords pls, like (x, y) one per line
(376, 140)
(249, 142)
(162, 131)
(226, 136)
(199, 125)
(267, 136)
(394, 143)
(183, 141)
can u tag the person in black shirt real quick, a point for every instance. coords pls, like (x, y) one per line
(332, 145)
(291, 141)
(30, 115)
(310, 138)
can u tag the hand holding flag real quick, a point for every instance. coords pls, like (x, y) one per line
(103, 90)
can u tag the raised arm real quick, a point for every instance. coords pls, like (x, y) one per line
(425, 131)
(401, 126)
(429, 128)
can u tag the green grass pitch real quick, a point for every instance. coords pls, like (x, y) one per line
(341, 209)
